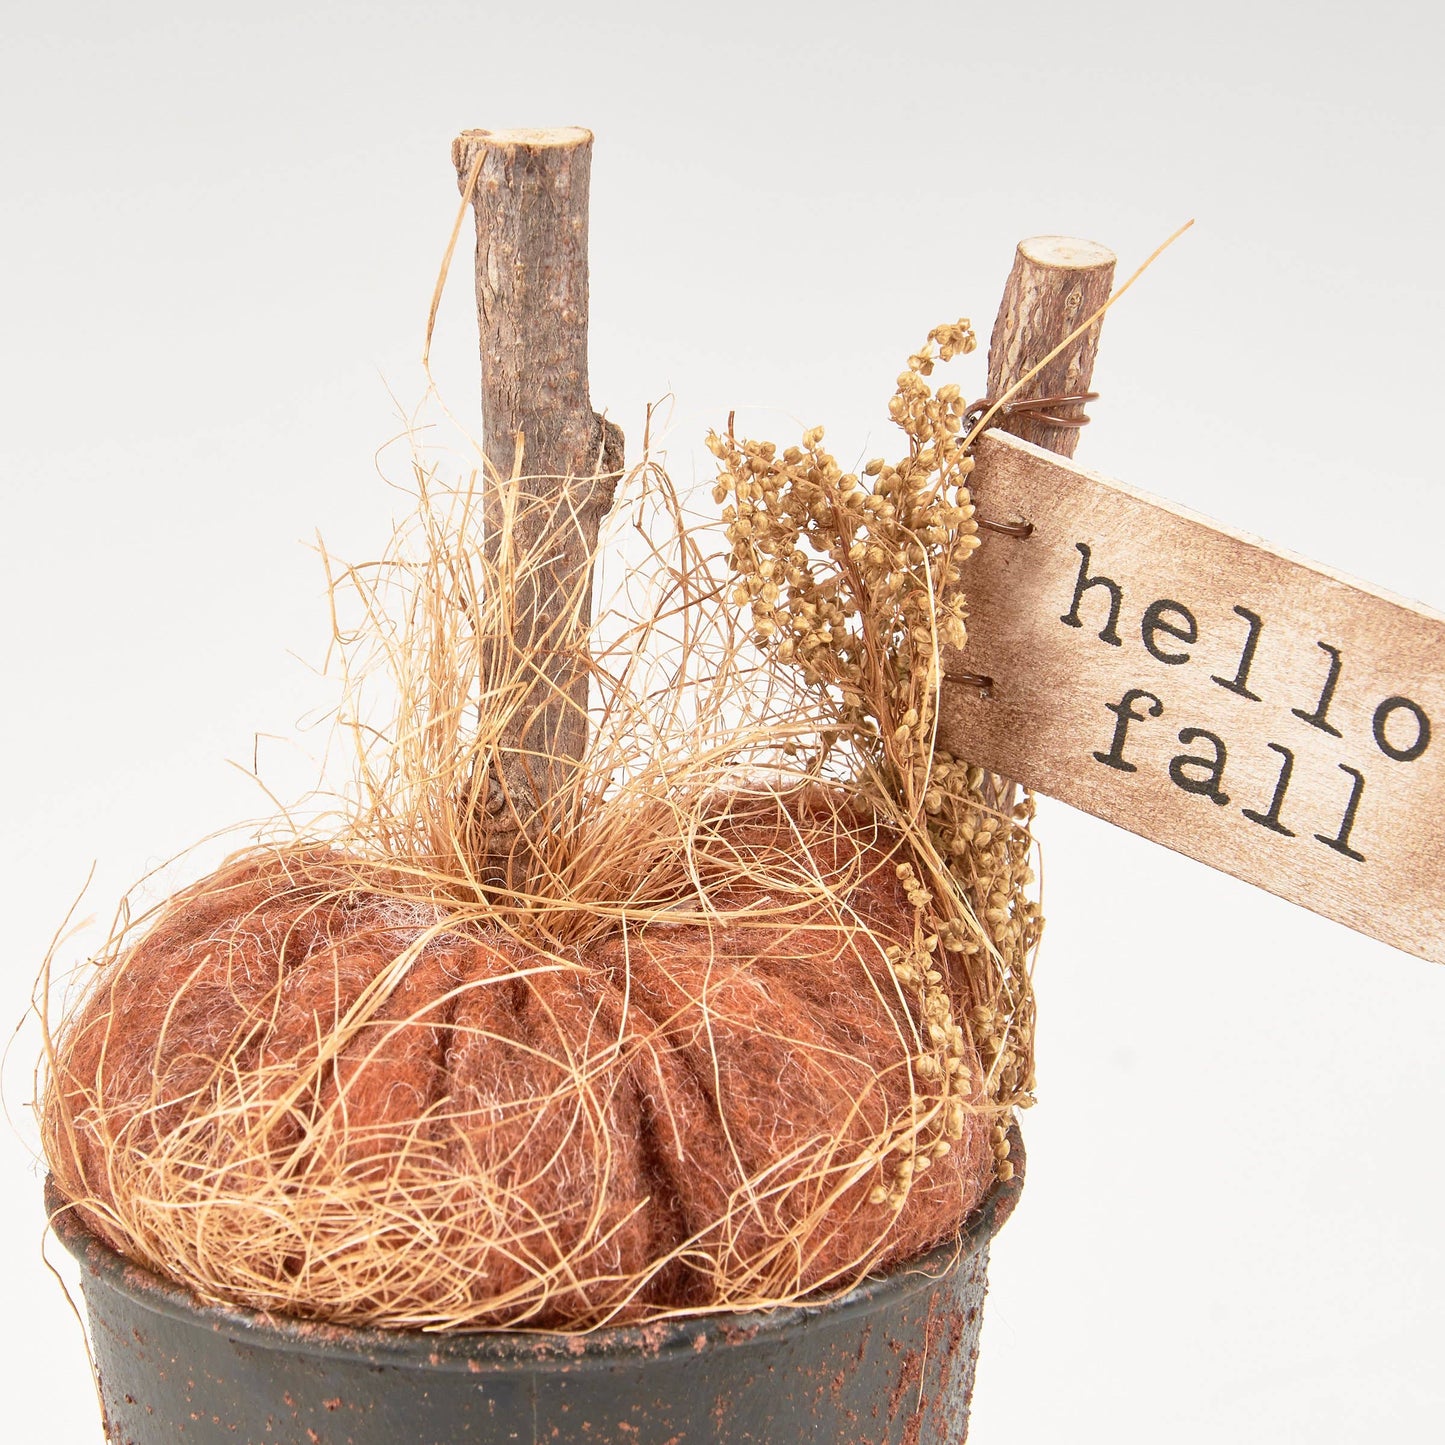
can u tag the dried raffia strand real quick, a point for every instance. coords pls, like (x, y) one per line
(855, 583)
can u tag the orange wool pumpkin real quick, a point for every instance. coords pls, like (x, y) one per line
(310, 1088)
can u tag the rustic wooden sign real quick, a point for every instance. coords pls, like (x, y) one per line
(1209, 692)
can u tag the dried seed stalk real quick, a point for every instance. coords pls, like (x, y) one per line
(856, 583)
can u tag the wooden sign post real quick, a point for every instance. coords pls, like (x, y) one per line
(1209, 692)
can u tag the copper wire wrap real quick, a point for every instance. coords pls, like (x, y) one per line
(1041, 409)
(976, 680)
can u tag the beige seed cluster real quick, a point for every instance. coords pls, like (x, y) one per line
(855, 580)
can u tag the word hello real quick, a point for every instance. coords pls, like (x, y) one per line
(1400, 729)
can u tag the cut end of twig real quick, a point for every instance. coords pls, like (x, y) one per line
(562, 137)
(1068, 253)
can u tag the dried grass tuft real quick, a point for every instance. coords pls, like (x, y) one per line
(733, 1016)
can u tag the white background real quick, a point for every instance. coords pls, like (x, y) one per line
(220, 230)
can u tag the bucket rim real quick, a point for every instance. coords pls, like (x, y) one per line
(476, 1351)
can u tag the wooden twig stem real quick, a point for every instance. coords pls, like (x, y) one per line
(553, 461)
(1056, 282)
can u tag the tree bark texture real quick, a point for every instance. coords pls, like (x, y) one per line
(1056, 282)
(553, 461)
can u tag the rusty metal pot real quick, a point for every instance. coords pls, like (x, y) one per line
(891, 1363)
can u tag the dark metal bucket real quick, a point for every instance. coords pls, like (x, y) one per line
(891, 1363)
